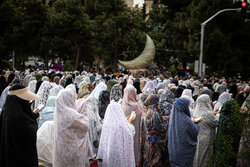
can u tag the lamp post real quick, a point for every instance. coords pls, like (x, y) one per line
(202, 34)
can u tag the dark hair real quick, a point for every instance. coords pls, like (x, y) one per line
(38, 84)
(15, 81)
(68, 82)
(16, 87)
(10, 78)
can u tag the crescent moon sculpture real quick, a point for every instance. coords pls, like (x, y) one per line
(144, 59)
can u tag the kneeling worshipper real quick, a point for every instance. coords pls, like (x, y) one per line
(182, 135)
(70, 131)
(117, 144)
(154, 151)
(207, 130)
(18, 129)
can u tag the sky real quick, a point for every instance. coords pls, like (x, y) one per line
(139, 2)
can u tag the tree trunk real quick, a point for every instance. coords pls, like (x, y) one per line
(77, 56)
(46, 59)
(115, 58)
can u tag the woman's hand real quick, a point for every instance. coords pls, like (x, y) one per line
(216, 111)
(244, 110)
(197, 120)
(35, 111)
(131, 120)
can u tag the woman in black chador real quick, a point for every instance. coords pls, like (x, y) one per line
(18, 129)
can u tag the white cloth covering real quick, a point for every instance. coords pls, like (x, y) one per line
(43, 93)
(116, 144)
(95, 123)
(44, 144)
(55, 90)
(32, 86)
(222, 99)
(100, 87)
(71, 132)
(3, 97)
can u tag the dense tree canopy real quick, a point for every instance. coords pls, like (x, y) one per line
(103, 31)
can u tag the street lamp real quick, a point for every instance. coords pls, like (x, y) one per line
(202, 34)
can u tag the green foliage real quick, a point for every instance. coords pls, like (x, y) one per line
(38, 76)
(87, 30)
(68, 66)
(118, 30)
(225, 46)
(5, 64)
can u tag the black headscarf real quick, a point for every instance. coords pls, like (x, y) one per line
(215, 96)
(3, 83)
(18, 129)
(10, 78)
(38, 84)
(178, 92)
(104, 100)
(234, 90)
(137, 86)
(68, 82)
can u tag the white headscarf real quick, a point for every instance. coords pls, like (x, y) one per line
(149, 87)
(100, 87)
(116, 145)
(55, 90)
(43, 93)
(32, 86)
(203, 105)
(78, 80)
(188, 92)
(222, 99)
(71, 131)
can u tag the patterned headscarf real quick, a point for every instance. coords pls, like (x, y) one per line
(55, 90)
(104, 100)
(153, 134)
(221, 89)
(116, 92)
(166, 102)
(149, 87)
(84, 91)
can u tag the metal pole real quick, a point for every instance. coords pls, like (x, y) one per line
(202, 34)
(201, 50)
(13, 59)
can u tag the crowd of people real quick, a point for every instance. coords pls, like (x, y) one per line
(81, 119)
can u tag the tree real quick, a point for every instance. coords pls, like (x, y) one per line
(70, 28)
(22, 23)
(119, 31)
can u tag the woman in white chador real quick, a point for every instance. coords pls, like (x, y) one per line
(71, 131)
(117, 143)
(207, 130)
(95, 122)
(222, 99)
(44, 143)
